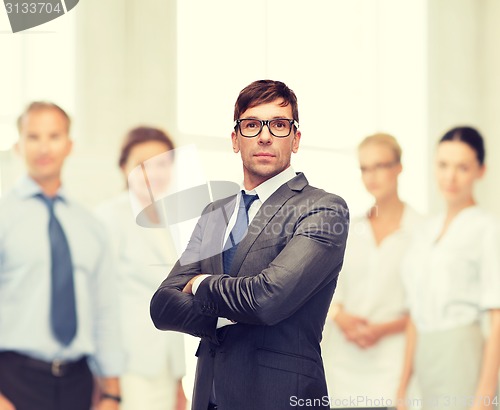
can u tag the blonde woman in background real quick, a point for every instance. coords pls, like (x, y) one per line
(154, 360)
(452, 276)
(363, 345)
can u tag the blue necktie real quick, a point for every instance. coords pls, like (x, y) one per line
(62, 301)
(238, 232)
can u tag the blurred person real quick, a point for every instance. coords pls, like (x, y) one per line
(259, 300)
(154, 360)
(452, 276)
(57, 307)
(363, 344)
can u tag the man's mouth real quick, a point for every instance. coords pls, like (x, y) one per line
(264, 154)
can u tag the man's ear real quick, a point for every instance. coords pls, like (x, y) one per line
(296, 141)
(399, 168)
(236, 144)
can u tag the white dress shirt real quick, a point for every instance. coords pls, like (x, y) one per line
(451, 280)
(25, 281)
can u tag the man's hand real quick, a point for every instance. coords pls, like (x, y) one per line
(108, 404)
(189, 286)
(111, 386)
(5, 404)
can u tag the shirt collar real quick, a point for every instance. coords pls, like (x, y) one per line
(269, 187)
(26, 187)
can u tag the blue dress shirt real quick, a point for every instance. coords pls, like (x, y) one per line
(25, 281)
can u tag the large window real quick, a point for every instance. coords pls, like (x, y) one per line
(37, 64)
(357, 66)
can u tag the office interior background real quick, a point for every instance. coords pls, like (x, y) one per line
(412, 68)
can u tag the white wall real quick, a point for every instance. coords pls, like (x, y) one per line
(128, 66)
(357, 67)
(38, 64)
(464, 85)
(489, 97)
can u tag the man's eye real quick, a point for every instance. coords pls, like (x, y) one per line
(251, 124)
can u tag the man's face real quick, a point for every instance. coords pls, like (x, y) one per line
(265, 155)
(44, 143)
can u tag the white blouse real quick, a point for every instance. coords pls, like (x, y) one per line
(144, 257)
(370, 282)
(450, 281)
(369, 286)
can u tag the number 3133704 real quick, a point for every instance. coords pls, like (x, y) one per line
(33, 8)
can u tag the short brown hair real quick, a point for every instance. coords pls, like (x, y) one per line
(263, 92)
(140, 135)
(39, 106)
(383, 139)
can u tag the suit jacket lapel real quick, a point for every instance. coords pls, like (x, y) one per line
(267, 211)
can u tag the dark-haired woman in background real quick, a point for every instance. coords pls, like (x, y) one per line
(154, 360)
(452, 275)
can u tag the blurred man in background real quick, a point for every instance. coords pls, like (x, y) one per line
(57, 307)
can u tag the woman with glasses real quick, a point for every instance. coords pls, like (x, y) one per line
(144, 252)
(452, 277)
(363, 345)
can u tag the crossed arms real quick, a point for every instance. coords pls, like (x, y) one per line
(311, 259)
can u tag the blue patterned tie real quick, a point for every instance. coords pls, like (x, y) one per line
(62, 302)
(239, 230)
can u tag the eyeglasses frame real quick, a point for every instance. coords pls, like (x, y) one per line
(293, 123)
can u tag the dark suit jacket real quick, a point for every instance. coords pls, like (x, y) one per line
(282, 280)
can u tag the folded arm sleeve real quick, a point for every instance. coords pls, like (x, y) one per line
(171, 309)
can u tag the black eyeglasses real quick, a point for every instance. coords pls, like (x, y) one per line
(279, 127)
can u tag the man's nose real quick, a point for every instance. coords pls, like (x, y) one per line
(265, 136)
(43, 147)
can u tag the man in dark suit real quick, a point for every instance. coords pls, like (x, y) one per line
(258, 299)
